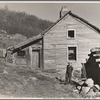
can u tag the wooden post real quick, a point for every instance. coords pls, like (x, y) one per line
(30, 52)
(29, 57)
(42, 57)
(13, 58)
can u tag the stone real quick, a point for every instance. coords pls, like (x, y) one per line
(85, 89)
(89, 82)
(91, 94)
(97, 86)
(33, 78)
(5, 72)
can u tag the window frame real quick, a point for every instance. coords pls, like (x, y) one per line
(76, 53)
(74, 34)
(21, 56)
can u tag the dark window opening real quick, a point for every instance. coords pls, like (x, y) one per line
(71, 33)
(21, 54)
(71, 53)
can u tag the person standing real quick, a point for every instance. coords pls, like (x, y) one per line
(69, 70)
(83, 71)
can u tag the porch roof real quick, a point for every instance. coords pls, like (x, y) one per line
(25, 44)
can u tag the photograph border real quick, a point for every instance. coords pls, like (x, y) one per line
(46, 1)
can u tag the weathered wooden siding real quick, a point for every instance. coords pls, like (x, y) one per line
(56, 43)
(20, 60)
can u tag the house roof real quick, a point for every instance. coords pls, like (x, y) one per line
(85, 21)
(78, 18)
(34, 39)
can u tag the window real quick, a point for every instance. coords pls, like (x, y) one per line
(71, 34)
(72, 53)
(21, 54)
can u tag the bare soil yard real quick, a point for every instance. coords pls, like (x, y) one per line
(25, 83)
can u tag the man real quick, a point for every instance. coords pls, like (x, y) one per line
(69, 70)
(83, 71)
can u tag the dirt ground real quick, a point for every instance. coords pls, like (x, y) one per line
(25, 83)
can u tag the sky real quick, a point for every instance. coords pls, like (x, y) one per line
(50, 11)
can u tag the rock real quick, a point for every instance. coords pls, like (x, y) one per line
(79, 87)
(91, 94)
(85, 89)
(76, 91)
(5, 72)
(62, 78)
(97, 86)
(33, 78)
(97, 94)
(89, 82)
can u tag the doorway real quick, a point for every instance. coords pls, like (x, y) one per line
(35, 59)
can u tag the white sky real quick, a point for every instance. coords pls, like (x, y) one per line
(50, 11)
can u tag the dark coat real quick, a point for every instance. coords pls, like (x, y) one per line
(69, 69)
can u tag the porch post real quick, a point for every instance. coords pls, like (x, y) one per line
(29, 57)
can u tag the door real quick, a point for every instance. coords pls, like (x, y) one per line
(35, 59)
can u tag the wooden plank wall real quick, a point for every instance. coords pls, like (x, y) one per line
(56, 43)
(20, 60)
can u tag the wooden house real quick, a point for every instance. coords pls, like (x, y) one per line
(69, 39)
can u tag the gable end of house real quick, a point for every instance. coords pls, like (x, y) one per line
(78, 18)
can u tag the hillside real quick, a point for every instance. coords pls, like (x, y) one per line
(7, 40)
(20, 22)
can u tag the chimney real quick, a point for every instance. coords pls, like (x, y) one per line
(63, 11)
